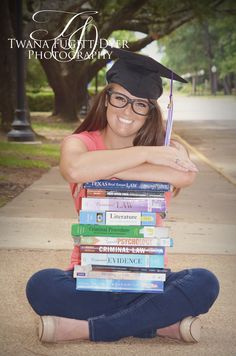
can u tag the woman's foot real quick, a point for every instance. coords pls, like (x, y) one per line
(56, 329)
(187, 330)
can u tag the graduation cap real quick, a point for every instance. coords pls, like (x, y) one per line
(139, 74)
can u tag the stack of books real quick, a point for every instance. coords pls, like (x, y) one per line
(121, 236)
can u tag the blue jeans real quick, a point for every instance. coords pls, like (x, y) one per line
(112, 316)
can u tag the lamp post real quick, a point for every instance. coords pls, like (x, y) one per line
(214, 80)
(21, 130)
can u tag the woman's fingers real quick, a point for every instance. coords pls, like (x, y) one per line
(171, 157)
(186, 165)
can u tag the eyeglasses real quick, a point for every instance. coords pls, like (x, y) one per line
(139, 106)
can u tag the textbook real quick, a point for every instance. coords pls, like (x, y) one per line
(123, 193)
(128, 185)
(83, 193)
(145, 241)
(123, 268)
(119, 231)
(118, 218)
(142, 250)
(154, 205)
(119, 285)
(80, 272)
(127, 260)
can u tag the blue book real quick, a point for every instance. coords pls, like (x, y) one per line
(127, 185)
(119, 285)
(119, 259)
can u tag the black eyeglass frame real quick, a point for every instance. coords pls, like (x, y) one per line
(129, 101)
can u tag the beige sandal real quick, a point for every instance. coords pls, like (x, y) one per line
(47, 327)
(190, 329)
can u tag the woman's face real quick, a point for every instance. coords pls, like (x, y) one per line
(124, 121)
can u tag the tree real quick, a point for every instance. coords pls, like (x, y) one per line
(7, 65)
(154, 18)
(205, 44)
(36, 78)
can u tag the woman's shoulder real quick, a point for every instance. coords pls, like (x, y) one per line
(92, 139)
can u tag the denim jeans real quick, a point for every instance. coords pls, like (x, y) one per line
(112, 316)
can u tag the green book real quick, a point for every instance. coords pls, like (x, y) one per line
(118, 230)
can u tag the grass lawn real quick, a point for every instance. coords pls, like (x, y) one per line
(21, 164)
(20, 155)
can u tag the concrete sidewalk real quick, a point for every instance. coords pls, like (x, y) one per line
(35, 234)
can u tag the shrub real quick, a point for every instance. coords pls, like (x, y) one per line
(41, 101)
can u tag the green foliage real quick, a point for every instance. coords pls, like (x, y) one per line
(123, 35)
(184, 49)
(101, 81)
(225, 45)
(201, 44)
(35, 78)
(42, 101)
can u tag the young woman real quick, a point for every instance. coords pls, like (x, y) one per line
(122, 137)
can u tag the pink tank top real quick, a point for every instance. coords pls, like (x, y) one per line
(93, 141)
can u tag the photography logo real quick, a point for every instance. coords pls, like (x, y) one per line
(73, 41)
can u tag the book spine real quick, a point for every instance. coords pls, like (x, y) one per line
(153, 205)
(120, 275)
(118, 218)
(156, 261)
(96, 240)
(118, 231)
(119, 285)
(128, 185)
(124, 193)
(129, 269)
(142, 250)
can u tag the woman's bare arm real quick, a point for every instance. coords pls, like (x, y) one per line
(151, 173)
(77, 165)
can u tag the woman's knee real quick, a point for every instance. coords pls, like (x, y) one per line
(39, 287)
(206, 289)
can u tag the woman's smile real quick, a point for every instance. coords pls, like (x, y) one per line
(125, 120)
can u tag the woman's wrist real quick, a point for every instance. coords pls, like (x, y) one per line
(141, 152)
(152, 153)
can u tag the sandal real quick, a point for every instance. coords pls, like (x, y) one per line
(190, 329)
(47, 327)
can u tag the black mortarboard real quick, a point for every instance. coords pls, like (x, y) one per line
(139, 74)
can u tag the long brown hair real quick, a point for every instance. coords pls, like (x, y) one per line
(152, 133)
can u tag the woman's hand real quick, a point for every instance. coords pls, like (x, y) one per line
(173, 157)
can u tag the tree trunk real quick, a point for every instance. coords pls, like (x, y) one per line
(227, 86)
(64, 83)
(7, 68)
(210, 57)
(194, 85)
(65, 106)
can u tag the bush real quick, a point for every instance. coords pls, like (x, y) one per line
(40, 101)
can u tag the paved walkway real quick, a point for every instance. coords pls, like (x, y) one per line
(35, 234)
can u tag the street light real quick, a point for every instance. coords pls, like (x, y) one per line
(21, 130)
(213, 69)
(214, 80)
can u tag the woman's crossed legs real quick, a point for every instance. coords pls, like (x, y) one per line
(105, 316)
